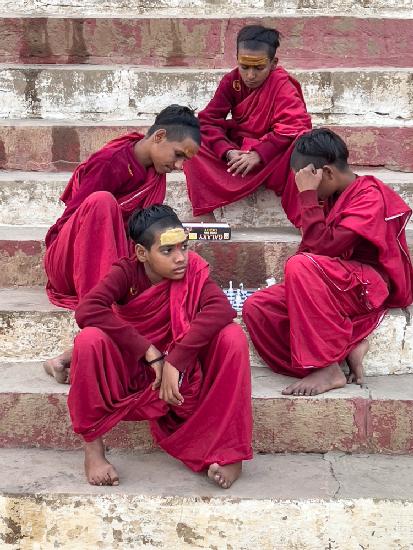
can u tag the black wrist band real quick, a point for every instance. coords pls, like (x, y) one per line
(157, 359)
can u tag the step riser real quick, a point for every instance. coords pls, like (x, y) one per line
(178, 522)
(39, 335)
(251, 263)
(61, 148)
(209, 43)
(333, 97)
(280, 425)
(168, 8)
(21, 262)
(37, 203)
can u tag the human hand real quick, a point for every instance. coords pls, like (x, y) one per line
(232, 155)
(151, 354)
(244, 163)
(170, 385)
(308, 178)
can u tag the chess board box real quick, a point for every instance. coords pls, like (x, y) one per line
(208, 231)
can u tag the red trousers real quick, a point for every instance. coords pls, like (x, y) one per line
(324, 307)
(213, 425)
(85, 249)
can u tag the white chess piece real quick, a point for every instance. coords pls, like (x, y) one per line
(244, 293)
(230, 290)
(238, 299)
(270, 281)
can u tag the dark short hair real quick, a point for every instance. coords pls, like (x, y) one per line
(319, 147)
(257, 37)
(179, 122)
(145, 222)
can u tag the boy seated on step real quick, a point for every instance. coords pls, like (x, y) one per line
(351, 266)
(127, 173)
(158, 343)
(253, 147)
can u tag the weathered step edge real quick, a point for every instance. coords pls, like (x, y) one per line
(32, 329)
(376, 418)
(205, 42)
(366, 97)
(285, 501)
(32, 198)
(59, 146)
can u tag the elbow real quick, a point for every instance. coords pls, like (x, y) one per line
(80, 315)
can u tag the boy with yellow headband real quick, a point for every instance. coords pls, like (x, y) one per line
(254, 146)
(158, 343)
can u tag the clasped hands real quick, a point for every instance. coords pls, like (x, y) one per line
(166, 378)
(242, 162)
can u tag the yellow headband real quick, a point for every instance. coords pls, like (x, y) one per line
(252, 60)
(173, 236)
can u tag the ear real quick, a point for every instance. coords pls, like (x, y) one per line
(274, 62)
(328, 172)
(159, 135)
(140, 252)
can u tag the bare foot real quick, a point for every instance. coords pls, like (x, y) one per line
(355, 362)
(58, 367)
(320, 381)
(224, 476)
(98, 470)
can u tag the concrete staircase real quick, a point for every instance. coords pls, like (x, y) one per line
(73, 75)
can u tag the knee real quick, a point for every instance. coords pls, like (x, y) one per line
(296, 266)
(250, 307)
(89, 336)
(232, 337)
(251, 310)
(102, 200)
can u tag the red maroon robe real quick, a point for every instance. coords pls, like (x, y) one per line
(190, 319)
(267, 120)
(90, 235)
(352, 265)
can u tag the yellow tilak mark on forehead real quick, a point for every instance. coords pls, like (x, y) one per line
(252, 60)
(173, 236)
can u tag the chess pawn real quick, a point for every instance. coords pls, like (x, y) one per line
(238, 299)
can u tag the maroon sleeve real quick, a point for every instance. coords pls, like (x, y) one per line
(272, 145)
(318, 238)
(213, 117)
(98, 175)
(95, 310)
(215, 313)
(290, 118)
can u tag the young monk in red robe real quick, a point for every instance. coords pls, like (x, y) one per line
(127, 173)
(252, 148)
(158, 321)
(352, 265)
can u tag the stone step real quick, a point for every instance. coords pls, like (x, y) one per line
(286, 501)
(252, 255)
(200, 8)
(205, 42)
(22, 251)
(376, 418)
(33, 329)
(32, 198)
(103, 93)
(41, 145)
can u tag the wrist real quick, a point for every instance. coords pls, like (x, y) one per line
(158, 359)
